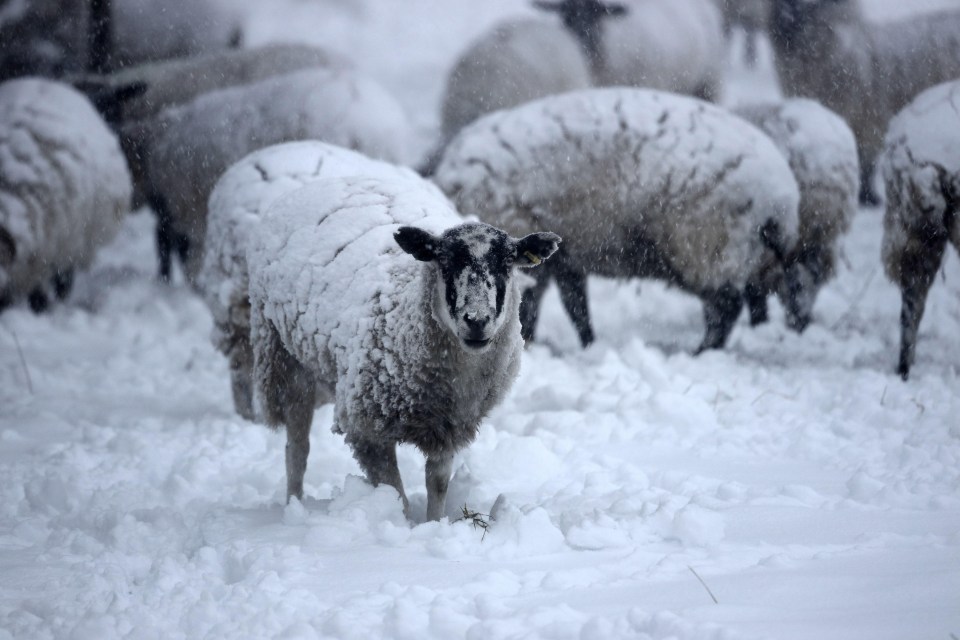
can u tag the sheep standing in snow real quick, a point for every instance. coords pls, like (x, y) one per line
(236, 205)
(184, 150)
(822, 154)
(675, 46)
(865, 72)
(64, 187)
(515, 61)
(415, 348)
(920, 164)
(640, 183)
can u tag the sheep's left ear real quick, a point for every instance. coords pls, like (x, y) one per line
(533, 249)
(421, 244)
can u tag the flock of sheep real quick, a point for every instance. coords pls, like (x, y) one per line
(334, 273)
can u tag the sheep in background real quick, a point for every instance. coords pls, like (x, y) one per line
(640, 183)
(178, 156)
(674, 46)
(822, 153)
(515, 61)
(64, 188)
(920, 164)
(751, 17)
(415, 348)
(825, 49)
(236, 205)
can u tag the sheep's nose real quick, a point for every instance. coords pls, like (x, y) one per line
(476, 322)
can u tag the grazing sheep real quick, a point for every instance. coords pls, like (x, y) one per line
(514, 62)
(64, 188)
(675, 46)
(920, 164)
(236, 204)
(865, 72)
(640, 183)
(178, 156)
(415, 348)
(822, 154)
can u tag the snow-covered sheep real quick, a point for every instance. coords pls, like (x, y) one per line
(920, 164)
(184, 150)
(822, 152)
(640, 183)
(514, 62)
(236, 204)
(866, 72)
(64, 187)
(415, 348)
(145, 30)
(674, 46)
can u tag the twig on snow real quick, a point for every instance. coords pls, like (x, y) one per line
(477, 519)
(23, 361)
(856, 300)
(697, 576)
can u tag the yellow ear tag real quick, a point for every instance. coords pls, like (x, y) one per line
(532, 258)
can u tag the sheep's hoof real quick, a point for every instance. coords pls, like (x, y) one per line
(903, 370)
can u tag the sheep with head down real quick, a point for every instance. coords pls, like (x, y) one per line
(378, 291)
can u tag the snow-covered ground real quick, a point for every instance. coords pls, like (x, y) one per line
(789, 487)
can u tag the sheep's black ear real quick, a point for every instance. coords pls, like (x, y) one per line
(421, 244)
(8, 248)
(615, 9)
(108, 98)
(533, 249)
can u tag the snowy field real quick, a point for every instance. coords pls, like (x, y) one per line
(789, 487)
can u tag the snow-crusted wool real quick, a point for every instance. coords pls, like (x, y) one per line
(336, 302)
(236, 204)
(920, 164)
(865, 72)
(638, 183)
(822, 153)
(188, 147)
(64, 186)
(514, 62)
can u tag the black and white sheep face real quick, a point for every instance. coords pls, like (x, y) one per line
(475, 265)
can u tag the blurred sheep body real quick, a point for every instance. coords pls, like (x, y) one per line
(415, 348)
(236, 205)
(920, 164)
(187, 148)
(64, 187)
(822, 153)
(512, 63)
(640, 183)
(825, 49)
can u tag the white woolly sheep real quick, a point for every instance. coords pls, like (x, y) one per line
(674, 46)
(825, 49)
(185, 149)
(640, 183)
(64, 187)
(414, 352)
(512, 63)
(236, 204)
(822, 153)
(920, 164)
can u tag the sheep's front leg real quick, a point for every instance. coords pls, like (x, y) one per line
(379, 462)
(918, 267)
(720, 311)
(756, 298)
(438, 472)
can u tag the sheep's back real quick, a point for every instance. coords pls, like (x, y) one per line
(607, 169)
(64, 184)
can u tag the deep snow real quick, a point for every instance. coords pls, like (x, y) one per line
(814, 493)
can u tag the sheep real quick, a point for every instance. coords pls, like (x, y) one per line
(236, 204)
(415, 348)
(920, 164)
(64, 188)
(177, 156)
(515, 61)
(822, 153)
(751, 17)
(825, 49)
(675, 46)
(640, 183)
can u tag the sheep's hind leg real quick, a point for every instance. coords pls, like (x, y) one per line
(438, 472)
(918, 265)
(379, 462)
(530, 304)
(756, 298)
(62, 283)
(720, 311)
(572, 284)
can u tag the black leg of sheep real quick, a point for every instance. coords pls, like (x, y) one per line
(919, 268)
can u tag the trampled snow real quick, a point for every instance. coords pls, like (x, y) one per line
(788, 487)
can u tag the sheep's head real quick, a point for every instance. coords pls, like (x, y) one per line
(804, 275)
(791, 19)
(475, 264)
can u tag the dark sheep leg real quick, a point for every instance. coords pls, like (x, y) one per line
(918, 267)
(721, 308)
